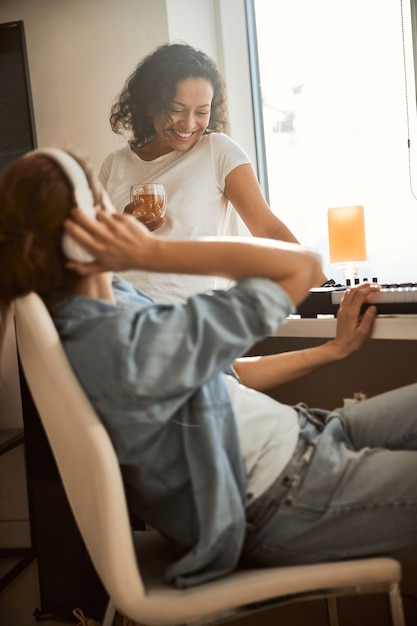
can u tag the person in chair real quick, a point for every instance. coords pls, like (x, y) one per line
(222, 470)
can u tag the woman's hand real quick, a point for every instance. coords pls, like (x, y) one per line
(118, 242)
(353, 329)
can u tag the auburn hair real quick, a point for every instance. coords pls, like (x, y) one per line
(35, 198)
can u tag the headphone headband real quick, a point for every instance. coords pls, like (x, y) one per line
(83, 197)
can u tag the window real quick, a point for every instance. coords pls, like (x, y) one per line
(339, 122)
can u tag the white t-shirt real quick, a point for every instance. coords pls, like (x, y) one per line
(268, 434)
(196, 207)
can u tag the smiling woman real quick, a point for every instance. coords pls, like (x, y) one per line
(173, 109)
(187, 120)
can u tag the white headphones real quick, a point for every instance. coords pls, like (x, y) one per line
(83, 198)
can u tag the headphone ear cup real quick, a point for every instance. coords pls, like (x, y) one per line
(83, 198)
(72, 249)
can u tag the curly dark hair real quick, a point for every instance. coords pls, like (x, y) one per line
(151, 89)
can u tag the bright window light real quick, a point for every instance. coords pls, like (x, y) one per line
(337, 126)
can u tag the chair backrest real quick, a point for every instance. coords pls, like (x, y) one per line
(82, 449)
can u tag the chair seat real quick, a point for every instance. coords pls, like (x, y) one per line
(254, 585)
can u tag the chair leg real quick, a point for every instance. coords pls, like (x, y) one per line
(332, 611)
(396, 606)
(109, 614)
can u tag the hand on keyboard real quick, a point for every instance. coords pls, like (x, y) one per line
(354, 328)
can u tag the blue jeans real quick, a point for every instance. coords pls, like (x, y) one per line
(350, 489)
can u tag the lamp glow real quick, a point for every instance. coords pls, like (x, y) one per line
(347, 240)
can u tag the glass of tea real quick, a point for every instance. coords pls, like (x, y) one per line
(148, 203)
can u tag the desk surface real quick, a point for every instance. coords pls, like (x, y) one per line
(385, 327)
(387, 361)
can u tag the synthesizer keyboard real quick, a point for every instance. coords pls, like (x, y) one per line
(394, 299)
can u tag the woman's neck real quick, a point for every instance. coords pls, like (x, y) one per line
(98, 286)
(151, 150)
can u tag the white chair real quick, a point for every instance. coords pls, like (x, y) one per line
(91, 476)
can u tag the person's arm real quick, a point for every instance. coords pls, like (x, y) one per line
(119, 242)
(244, 192)
(352, 331)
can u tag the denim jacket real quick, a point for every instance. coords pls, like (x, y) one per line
(154, 373)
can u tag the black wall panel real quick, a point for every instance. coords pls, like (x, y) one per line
(17, 128)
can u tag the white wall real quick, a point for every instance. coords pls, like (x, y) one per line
(79, 54)
(81, 51)
(219, 28)
(194, 22)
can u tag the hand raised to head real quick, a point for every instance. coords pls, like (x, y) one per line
(118, 242)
